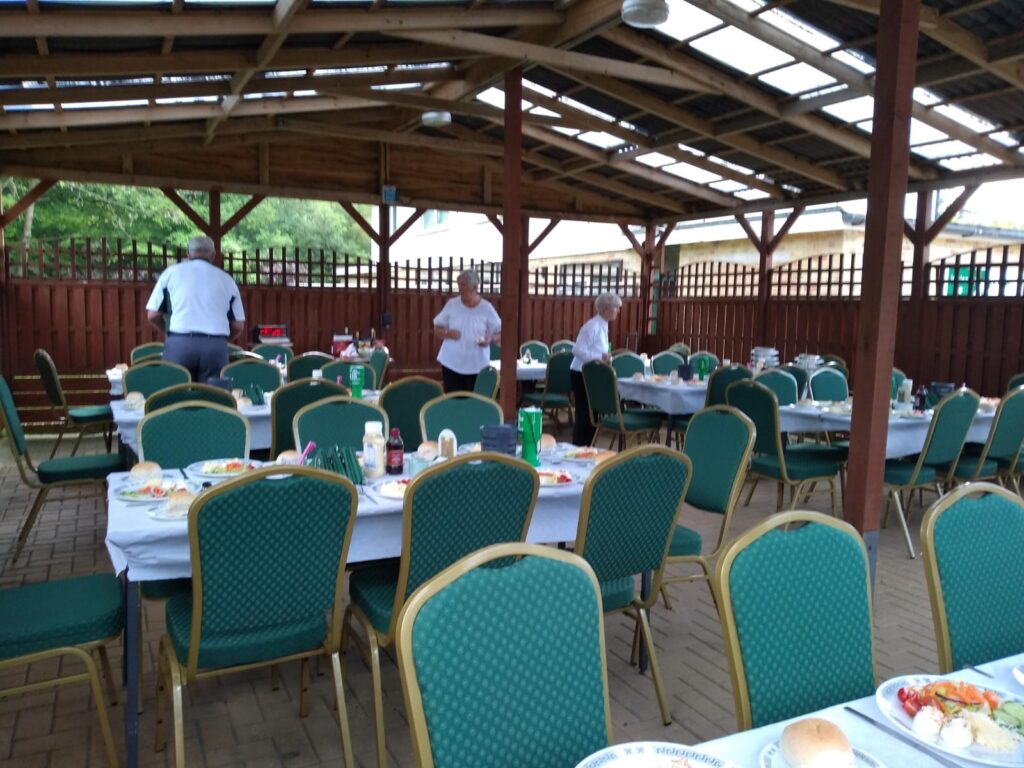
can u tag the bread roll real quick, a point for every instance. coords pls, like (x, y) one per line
(428, 450)
(178, 502)
(602, 456)
(135, 400)
(243, 401)
(237, 393)
(289, 457)
(815, 743)
(145, 471)
(548, 442)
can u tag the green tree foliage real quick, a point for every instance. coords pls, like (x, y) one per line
(73, 210)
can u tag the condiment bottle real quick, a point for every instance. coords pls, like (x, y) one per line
(374, 459)
(396, 453)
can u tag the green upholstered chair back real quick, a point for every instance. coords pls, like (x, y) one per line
(248, 373)
(664, 363)
(179, 393)
(599, 378)
(758, 403)
(796, 609)
(379, 360)
(154, 375)
(563, 345)
(461, 412)
(184, 433)
(629, 509)
(681, 349)
(527, 661)
(626, 364)
(267, 556)
(51, 379)
(1015, 382)
(781, 383)
(719, 381)
(718, 443)
(828, 384)
(711, 357)
(837, 361)
(402, 400)
(270, 352)
(302, 366)
(895, 382)
(495, 351)
(287, 401)
(487, 382)
(801, 376)
(145, 351)
(344, 368)
(558, 378)
(339, 421)
(1008, 427)
(12, 422)
(538, 350)
(951, 419)
(979, 526)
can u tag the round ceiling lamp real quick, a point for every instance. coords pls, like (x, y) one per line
(437, 119)
(644, 14)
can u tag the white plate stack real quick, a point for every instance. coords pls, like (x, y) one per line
(809, 362)
(763, 357)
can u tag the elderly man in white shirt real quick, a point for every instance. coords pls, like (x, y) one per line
(198, 306)
(591, 344)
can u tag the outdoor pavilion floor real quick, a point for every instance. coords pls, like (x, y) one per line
(239, 720)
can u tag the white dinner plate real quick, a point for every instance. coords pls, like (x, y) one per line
(653, 754)
(555, 478)
(1018, 674)
(888, 701)
(391, 489)
(581, 459)
(208, 469)
(771, 757)
(161, 514)
(134, 493)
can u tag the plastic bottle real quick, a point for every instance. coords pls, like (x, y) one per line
(396, 453)
(921, 399)
(355, 379)
(374, 458)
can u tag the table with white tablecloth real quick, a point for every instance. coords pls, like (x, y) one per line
(115, 377)
(532, 371)
(675, 398)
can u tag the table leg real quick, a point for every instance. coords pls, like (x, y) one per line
(645, 591)
(131, 670)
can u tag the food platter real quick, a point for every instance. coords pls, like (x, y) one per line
(218, 469)
(583, 455)
(772, 757)
(392, 489)
(150, 491)
(653, 754)
(554, 477)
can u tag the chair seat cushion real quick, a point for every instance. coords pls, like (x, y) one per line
(818, 450)
(55, 614)
(91, 467)
(973, 449)
(634, 420)
(617, 593)
(900, 471)
(158, 589)
(686, 542)
(220, 650)
(86, 414)
(548, 401)
(679, 422)
(798, 467)
(967, 468)
(373, 589)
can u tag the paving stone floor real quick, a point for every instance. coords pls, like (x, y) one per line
(240, 721)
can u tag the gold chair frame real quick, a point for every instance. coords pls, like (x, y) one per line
(225, 372)
(1003, 475)
(147, 357)
(460, 395)
(192, 385)
(148, 363)
(338, 399)
(104, 427)
(163, 412)
(338, 390)
(305, 356)
(653, 435)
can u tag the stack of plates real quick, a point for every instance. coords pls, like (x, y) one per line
(809, 362)
(768, 357)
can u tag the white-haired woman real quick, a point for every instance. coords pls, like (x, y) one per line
(466, 326)
(591, 344)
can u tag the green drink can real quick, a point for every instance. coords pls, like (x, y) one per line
(355, 380)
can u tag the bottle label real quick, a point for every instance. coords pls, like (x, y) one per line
(369, 455)
(395, 458)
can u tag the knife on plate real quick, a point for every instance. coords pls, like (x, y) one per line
(904, 738)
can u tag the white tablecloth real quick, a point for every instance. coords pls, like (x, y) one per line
(533, 371)
(115, 376)
(744, 748)
(153, 549)
(676, 399)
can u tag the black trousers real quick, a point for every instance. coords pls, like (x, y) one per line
(457, 382)
(582, 429)
(204, 356)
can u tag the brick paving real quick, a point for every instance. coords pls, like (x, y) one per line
(239, 720)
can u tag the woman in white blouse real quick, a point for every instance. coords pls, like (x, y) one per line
(591, 344)
(466, 326)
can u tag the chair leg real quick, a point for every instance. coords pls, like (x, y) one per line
(750, 495)
(780, 496)
(304, 688)
(903, 523)
(795, 495)
(275, 678)
(645, 630)
(108, 676)
(664, 597)
(179, 718)
(29, 522)
(378, 697)
(138, 689)
(162, 672)
(101, 708)
(60, 436)
(339, 693)
(832, 494)
(888, 506)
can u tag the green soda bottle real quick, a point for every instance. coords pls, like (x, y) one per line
(355, 380)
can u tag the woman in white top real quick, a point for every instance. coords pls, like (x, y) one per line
(467, 325)
(591, 344)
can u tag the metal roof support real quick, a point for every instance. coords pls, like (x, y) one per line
(883, 240)
(514, 257)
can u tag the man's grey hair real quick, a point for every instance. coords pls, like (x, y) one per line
(472, 278)
(606, 301)
(201, 248)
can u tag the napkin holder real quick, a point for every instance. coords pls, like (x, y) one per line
(498, 438)
(447, 444)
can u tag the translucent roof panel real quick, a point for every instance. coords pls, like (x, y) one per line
(728, 186)
(943, 149)
(686, 21)
(692, 173)
(735, 48)
(496, 98)
(752, 194)
(852, 110)
(105, 104)
(804, 32)
(853, 60)
(600, 139)
(968, 162)
(797, 78)
(922, 133)
(655, 159)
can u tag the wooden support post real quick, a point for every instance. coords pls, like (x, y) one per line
(883, 238)
(360, 221)
(524, 274)
(241, 213)
(384, 265)
(216, 232)
(915, 364)
(512, 299)
(766, 243)
(4, 282)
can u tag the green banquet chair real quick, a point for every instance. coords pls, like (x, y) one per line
(87, 418)
(153, 350)
(562, 345)
(287, 401)
(1000, 454)
(271, 352)
(302, 366)
(191, 431)
(718, 382)
(703, 354)
(627, 363)
(533, 627)
(538, 350)
(53, 622)
(828, 385)
(1015, 381)
(246, 374)
(264, 590)
(976, 619)
(339, 421)
(179, 393)
(486, 383)
(783, 384)
(379, 361)
(934, 465)
(556, 393)
(461, 412)
(681, 349)
(895, 382)
(801, 376)
(64, 472)
(495, 352)
(607, 413)
(664, 363)
(838, 363)
(795, 605)
(650, 481)
(719, 442)
(402, 401)
(343, 368)
(153, 375)
(449, 511)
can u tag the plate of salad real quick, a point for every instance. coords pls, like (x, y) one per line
(152, 490)
(220, 468)
(972, 722)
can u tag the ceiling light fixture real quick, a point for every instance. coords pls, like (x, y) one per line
(644, 14)
(436, 119)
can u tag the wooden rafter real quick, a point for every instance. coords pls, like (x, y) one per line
(40, 189)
